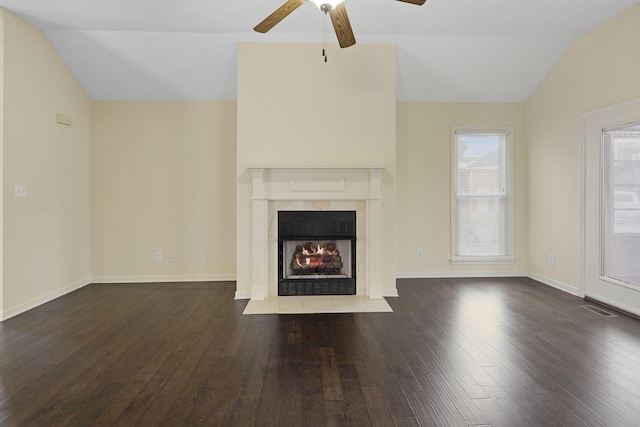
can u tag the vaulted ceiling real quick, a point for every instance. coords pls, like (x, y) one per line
(447, 50)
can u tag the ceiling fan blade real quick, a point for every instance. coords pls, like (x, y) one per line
(342, 26)
(418, 2)
(280, 13)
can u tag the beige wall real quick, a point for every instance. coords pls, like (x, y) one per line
(295, 109)
(423, 207)
(163, 179)
(599, 69)
(143, 175)
(46, 235)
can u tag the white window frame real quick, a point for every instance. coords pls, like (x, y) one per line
(509, 257)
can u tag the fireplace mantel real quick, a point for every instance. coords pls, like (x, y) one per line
(327, 184)
(316, 182)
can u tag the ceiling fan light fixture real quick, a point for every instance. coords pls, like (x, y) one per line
(327, 5)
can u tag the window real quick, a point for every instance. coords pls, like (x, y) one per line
(482, 201)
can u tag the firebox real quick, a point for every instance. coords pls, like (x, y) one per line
(316, 253)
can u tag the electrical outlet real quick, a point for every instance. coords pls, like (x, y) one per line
(552, 260)
(158, 256)
(419, 253)
(172, 257)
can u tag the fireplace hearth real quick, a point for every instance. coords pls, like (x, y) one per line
(316, 253)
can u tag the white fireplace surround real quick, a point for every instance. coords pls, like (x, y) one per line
(316, 188)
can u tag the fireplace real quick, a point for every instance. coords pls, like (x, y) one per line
(316, 253)
(316, 189)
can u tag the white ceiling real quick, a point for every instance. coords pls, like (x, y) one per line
(447, 50)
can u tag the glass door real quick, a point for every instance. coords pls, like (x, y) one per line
(611, 206)
(621, 204)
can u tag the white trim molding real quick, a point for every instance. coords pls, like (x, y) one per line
(456, 274)
(14, 311)
(164, 279)
(390, 293)
(556, 284)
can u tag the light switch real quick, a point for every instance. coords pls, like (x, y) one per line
(20, 191)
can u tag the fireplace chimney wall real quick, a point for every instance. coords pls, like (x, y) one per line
(294, 110)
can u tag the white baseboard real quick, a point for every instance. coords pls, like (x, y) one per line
(14, 311)
(555, 284)
(164, 279)
(455, 274)
(444, 275)
(242, 295)
(392, 292)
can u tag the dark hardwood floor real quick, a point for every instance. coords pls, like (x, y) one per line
(455, 352)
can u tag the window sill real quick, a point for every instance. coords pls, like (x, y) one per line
(482, 260)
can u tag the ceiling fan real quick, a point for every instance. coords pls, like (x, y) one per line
(336, 10)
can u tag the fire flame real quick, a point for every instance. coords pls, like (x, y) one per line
(312, 254)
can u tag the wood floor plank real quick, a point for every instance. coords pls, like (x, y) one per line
(335, 414)
(31, 411)
(271, 400)
(156, 411)
(468, 352)
(426, 413)
(406, 422)
(331, 382)
(313, 403)
(291, 396)
(493, 413)
(356, 406)
(246, 411)
(394, 393)
(450, 407)
(379, 410)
